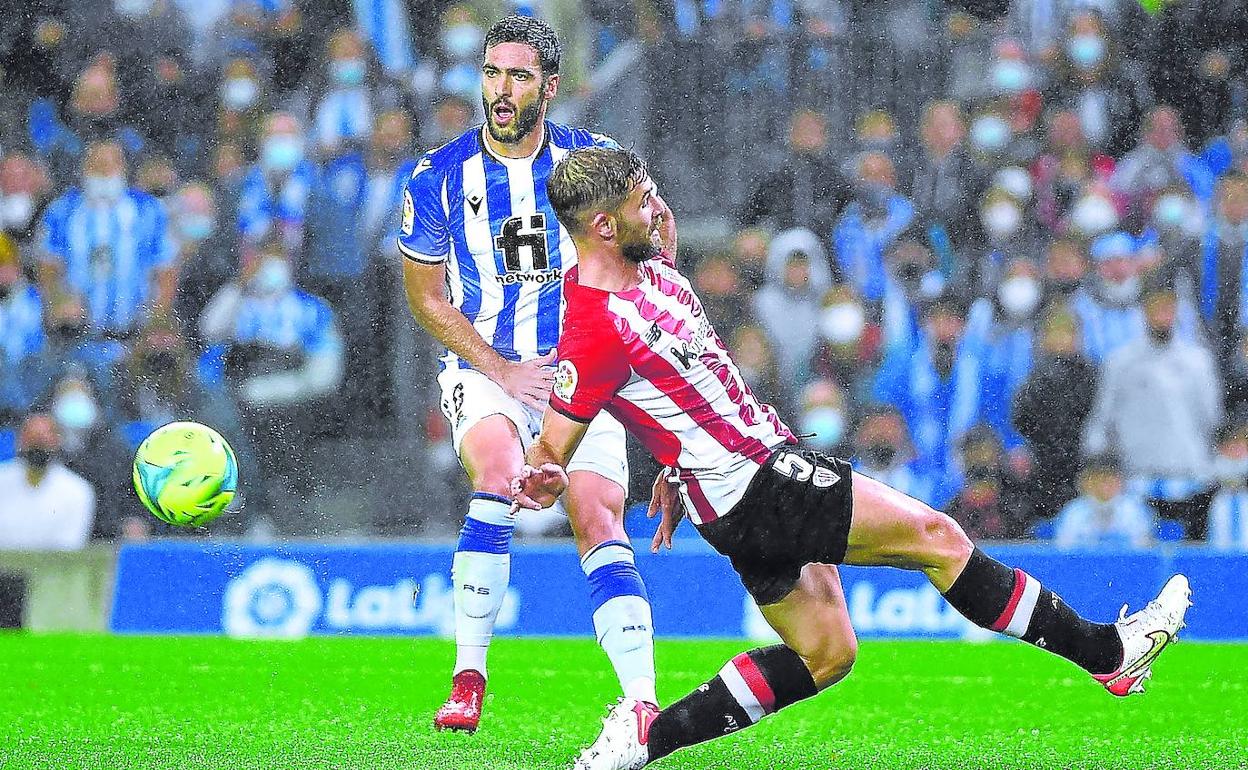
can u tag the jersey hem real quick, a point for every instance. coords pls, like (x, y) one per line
(569, 415)
(416, 256)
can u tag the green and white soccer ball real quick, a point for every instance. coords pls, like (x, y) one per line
(185, 473)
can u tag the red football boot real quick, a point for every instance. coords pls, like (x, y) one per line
(462, 710)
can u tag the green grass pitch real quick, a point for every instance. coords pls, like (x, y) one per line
(190, 702)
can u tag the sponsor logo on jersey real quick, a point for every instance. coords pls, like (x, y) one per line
(565, 380)
(409, 213)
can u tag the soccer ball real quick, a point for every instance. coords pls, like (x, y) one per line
(185, 473)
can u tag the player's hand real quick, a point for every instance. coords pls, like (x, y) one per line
(529, 382)
(665, 499)
(538, 488)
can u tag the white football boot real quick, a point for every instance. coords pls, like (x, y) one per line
(622, 744)
(1145, 634)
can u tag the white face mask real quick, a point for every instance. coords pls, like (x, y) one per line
(273, 277)
(1093, 215)
(75, 411)
(16, 211)
(1015, 181)
(239, 93)
(104, 188)
(1001, 220)
(1019, 296)
(842, 323)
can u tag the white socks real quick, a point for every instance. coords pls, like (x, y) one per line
(480, 572)
(622, 619)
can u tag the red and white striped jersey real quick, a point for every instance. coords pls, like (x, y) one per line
(649, 356)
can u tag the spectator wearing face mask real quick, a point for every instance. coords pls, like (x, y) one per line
(947, 181)
(824, 416)
(1050, 409)
(1108, 92)
(1173, 234)
(1105, 514)
(242, 103)
(991, 503)
(1009, 351)
(107, 244)
(282, 354)
(26, 363)
(788, 304)
(882, 450)
(1158, 405)
(807, 189)
(872, 222)
(847, 347)
(44, 506)
(344, 110)
(460, 45)
(991, 137)
(940, 386)
(92, 448)
(1009, 229)
(1228, 514)
(207, 248)
(1222, 271)
(1161, 160)
(1109, 312)
(1067, 167)
(277, 188)
(24, 191)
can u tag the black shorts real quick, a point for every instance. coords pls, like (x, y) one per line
(796, 511)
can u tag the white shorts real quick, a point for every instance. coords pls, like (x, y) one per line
(468, 397)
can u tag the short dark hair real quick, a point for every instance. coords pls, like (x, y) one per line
(532, 32)
(592, 177)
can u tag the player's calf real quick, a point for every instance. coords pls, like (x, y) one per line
(623, 621)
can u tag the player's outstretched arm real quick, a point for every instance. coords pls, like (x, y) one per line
(543, 478)
(528, 381)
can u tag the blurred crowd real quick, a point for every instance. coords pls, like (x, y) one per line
(1002, 263)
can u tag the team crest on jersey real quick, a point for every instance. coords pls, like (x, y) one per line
(565, 380)
(409, 213)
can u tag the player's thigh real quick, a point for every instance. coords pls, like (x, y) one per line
(892, 529)
(484, 429)
(813, 620)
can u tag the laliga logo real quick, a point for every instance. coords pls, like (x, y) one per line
(919, 611)
(281, 598)
(272, 598)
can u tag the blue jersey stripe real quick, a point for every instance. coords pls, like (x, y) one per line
(469, 276)
(550, 294)
(498, 199)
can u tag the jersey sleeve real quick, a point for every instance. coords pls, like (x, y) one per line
(424, 235)
(590, 372)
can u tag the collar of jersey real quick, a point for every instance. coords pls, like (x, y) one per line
(485, 146)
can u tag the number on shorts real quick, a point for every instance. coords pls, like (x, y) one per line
(800, 469)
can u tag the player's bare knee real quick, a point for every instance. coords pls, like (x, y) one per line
(942, 540)
(492, 480)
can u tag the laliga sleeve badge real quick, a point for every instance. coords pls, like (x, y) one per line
(565, 380)
(409, 213)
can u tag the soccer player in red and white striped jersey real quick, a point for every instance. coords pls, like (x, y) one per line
(637, 343)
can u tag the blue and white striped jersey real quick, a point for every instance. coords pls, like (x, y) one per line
(296, 320)
(21, 324)
(108, 253)
(490, 221)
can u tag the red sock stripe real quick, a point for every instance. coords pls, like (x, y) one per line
(755, 680)
(1020, 582)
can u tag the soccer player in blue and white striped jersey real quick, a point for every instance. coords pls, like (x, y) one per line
(477, 225)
